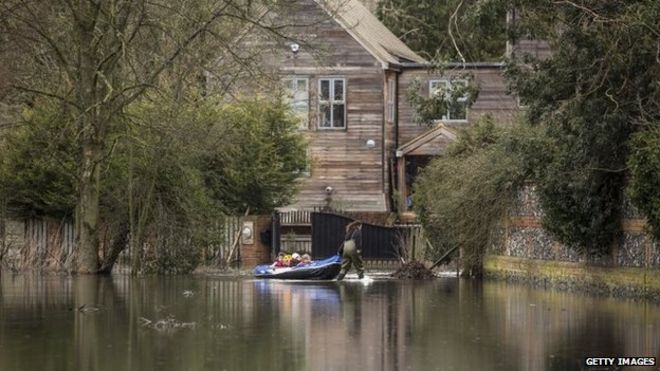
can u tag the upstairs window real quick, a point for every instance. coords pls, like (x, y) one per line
(456, 106)
(297, 97)
(332, 103)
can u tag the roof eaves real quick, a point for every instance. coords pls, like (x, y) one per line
(425, 138)
(368, 47)
(470, 65)
(386, 57)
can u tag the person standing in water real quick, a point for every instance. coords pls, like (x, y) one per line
(351, 251)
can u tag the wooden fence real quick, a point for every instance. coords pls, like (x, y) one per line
(229, 230)
(50, 244)
(296, 218)
(37, 244)
(296, 243)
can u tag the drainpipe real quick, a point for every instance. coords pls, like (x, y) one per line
(396, 110)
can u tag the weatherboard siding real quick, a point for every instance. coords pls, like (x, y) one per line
(339, 157)
(493, 99)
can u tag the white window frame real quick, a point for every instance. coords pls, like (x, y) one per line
(303, 116)
(307, 171)
(331, 103)
(448, 86)
(391, 100)
(520, 104)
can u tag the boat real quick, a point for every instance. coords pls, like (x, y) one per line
(325, 269)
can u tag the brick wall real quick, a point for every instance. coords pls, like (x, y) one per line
(524, 237)
(525, 251)
(258, 252)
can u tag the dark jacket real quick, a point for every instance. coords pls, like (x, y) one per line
(357, 237)
(354, 234)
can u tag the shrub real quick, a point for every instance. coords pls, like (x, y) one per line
(462, 196)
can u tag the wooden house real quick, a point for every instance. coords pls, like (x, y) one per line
(342, 82)
(348, 81)
(417, 144)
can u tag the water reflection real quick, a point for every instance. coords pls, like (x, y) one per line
(96, 324)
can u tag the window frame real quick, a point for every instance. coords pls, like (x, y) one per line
(448, 85)
(331, 103)
(391, 100)
(304, 124)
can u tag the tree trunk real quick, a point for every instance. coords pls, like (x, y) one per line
(88, 240)
(90, 125)
(118, 245)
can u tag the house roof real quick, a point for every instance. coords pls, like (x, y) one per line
(431, 143)
(370, 32)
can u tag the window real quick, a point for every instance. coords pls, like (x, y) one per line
(297, 96)
(391, 100)
(332, 103)
(456, 108)
(306, 172)
(520, 103)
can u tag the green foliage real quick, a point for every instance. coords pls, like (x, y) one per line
(478, 178)
(153, 183)
(591, 125)
(644, 185)
(599, 86)
(262, 155)
(195, 160)
(427, 26)
(581, 187)
(430, 108)
(169, 179)
(37, 163)
(98, 59)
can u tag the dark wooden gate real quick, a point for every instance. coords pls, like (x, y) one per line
(275, 235)
(378, 242)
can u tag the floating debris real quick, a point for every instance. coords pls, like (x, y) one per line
(414, 270)
(88, 308)
(170, 324)
(220, 326)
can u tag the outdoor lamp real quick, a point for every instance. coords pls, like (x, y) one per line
(371, 143)
(294, 48)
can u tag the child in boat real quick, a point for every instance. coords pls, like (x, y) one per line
(295, 259)
(280, 261)
(304, 260)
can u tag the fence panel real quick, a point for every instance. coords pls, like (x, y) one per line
(47, 244)
(231, 227)
(297, 243)
(295, 217)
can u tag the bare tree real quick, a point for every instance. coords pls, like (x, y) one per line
(97, 57)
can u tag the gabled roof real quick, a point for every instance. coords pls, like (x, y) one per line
(370, 32)
(430, 143)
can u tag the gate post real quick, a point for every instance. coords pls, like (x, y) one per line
(253, 250)
(276, 235)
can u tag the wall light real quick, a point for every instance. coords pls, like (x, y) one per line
(294, 48)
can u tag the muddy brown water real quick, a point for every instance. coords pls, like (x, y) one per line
(197, 323)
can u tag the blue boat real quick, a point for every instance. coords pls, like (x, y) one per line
(325, 269)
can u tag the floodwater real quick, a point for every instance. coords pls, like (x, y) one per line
(195, 323)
